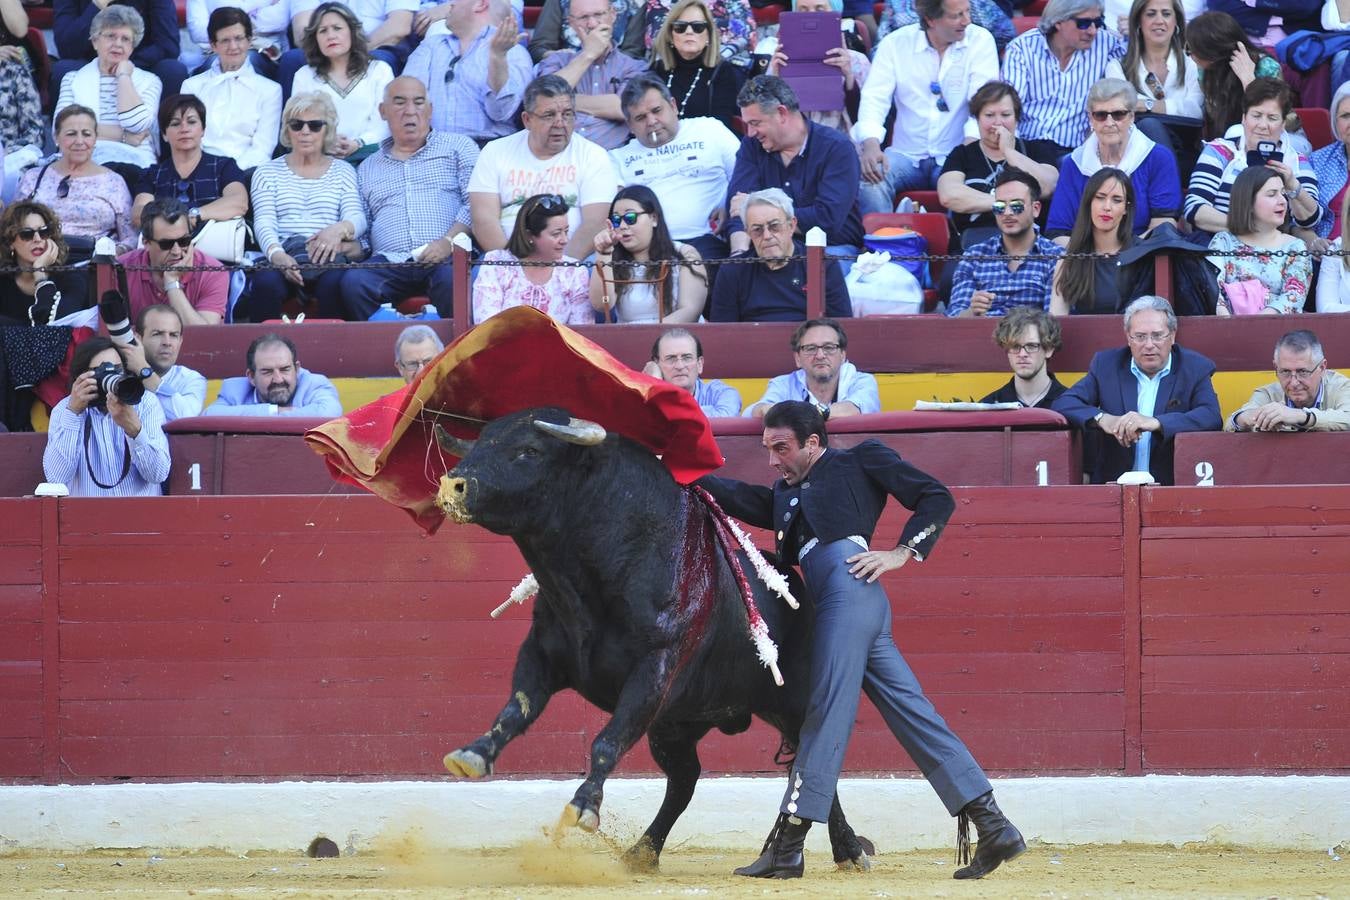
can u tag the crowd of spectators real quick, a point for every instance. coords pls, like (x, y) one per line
(642, 160)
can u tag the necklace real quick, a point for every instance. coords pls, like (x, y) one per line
(670, 79)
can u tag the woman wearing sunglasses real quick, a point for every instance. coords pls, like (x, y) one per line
(1116, 142)
(688, 54)
(538, 240)
(91, 200)
(624, 279)
(30, 240)
(306, 213)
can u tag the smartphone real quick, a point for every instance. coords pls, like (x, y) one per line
(1265, 151)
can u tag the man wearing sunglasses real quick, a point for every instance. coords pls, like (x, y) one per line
(1306, 395)
(1053, 67)
(165, 269)
(1015, 268)
(928, 72)
(597, 71)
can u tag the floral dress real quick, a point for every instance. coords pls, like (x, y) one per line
(1285, 277)
(566, 296)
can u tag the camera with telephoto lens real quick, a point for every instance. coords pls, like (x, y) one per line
(111, 379)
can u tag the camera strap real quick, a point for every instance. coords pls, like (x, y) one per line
(126, 456)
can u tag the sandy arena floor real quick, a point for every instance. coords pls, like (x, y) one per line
(586, 867)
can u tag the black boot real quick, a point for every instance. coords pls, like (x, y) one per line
(999, 839)
(782, 856)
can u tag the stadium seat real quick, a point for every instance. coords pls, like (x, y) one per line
(1035, 7)
(1317, 126)
(41, 62)
(531, 15)
(936, 232)
(1023, 24)
(927, 199)
(766, 15)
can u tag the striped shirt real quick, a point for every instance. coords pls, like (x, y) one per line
(1054, 100)
(284, 204)
(1223, 160)
(64, 460)
(414, 201)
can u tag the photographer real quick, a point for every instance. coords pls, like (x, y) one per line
(102, 443)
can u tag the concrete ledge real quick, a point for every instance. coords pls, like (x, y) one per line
(1296, 812)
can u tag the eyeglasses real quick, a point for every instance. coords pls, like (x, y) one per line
(315, 125)
(1016, 207)
(27, 234)
(629, 218)
(1085, 23)
(450, 72)
(551, 203)
(115, 37)
(813, 349)
(1287, 374)
(415, 365)
(1139, 339)
(936, 90)
(674, 359)
(231, 41)
(63, 188)
(1028, 348)
(777, 226)
(167, 244)
(552, 116)
(695, 27)
(1119, 115)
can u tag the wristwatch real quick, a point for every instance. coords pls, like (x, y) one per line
(1148, 104)
(145, 373)
(195, 213)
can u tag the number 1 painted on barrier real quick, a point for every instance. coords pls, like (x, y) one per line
(1042, 473)
(195, 471)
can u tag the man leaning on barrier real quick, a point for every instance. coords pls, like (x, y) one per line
(1306, 395)
(169, 270)
(276, 385)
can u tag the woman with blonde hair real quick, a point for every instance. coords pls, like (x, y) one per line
(687, 55)
(306, 212)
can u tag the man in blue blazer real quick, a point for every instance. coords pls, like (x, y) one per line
(1136, 398)
(824, 510)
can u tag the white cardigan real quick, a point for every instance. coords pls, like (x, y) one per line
(1182, 100)
(359, 111)
(1333, 283)
(82, 86)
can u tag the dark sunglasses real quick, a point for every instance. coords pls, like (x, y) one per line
(27, 234)
(166, 244)
(551, 203)
(184, 191)
(629, 218)
(63, 188)
(1119, 115)
(1085, 23)
(450, 71)
(1017, 207)
(315, 125)
(936, 90)
(682, 27)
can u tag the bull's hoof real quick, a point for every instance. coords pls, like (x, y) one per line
(466, 764)
(862, 862)
(642, 858)
(587, 820)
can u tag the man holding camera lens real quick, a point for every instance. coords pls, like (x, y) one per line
(107, 438)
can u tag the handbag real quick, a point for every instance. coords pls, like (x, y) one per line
(222, 240)
(1246, 297)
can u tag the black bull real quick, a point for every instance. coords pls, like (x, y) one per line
(607, 533)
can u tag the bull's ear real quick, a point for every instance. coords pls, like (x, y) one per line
(453, 445)
(576, 431)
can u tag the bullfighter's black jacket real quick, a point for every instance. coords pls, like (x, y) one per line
(843, 494)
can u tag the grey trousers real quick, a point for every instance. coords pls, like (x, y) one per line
(853, 648)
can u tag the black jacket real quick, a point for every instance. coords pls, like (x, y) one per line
(844, 493)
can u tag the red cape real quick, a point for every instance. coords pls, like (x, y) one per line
(518, 359)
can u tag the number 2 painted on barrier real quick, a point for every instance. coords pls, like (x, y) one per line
(195, 471)
(1204, 474)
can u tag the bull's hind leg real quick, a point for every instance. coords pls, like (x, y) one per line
(532, 684)
(850, 850)
(675, 749)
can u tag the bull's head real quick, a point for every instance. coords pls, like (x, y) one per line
(511, 468)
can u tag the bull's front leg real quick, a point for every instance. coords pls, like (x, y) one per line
(533, 682)
(638, 704)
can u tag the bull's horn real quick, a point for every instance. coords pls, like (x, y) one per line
(576, 431)
(453, 445)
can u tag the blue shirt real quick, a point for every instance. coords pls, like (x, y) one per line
(205, 185)
(858, 388)
(314, 395)
(1330, 168)
(822, 181)
(461, 102)
(417, 200)
(717, 398)
(81, 464)
(981, 269)
(752, 292)
(1148, 398)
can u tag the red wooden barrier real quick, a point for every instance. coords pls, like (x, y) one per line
(1218, 458)
(1061, 630)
